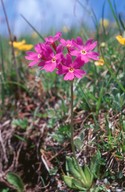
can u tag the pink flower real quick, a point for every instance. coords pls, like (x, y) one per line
(85, 50)
(52, 59)
(52, 55)
(52, 39)
(37, 56)
(71, 69)
(67, 43)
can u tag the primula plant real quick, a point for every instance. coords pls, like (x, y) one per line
(67, 58)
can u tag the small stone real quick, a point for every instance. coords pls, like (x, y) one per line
(106, 181)
(113, 188)
(115, 184)
(118, 190)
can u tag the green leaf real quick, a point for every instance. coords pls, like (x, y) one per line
(53, 171)
(73, 183)
(78, 185)
(88, 175)
(22, 123)
(69, 181)
(78, 143)
(20, 138)
(95, 164)
(16, 181)
(72, 168)
(5, 190)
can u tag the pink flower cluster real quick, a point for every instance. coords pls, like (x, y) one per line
(66, 56)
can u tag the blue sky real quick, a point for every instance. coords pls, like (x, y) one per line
(46, 14)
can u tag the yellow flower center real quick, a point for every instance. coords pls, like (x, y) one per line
(53, 59)
(71, 69)
(83, 52)
(68, 45)
(39, 56)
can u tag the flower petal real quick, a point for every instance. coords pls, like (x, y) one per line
(78, 63)
(75, 53)
(93, 55)
(68, 60)
(90, 47)
(120, 39)
(31, 55)
(79, 41)
(79, 73)
(69, 76)
(49, 67)
(31, 64)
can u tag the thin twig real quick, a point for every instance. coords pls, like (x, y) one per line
(3, 148)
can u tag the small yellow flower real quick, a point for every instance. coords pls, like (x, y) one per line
(34, 35)
(120, 39)
(21, 45)
(65, 29)
(103, 44)
(25, 47)
(104, 23)
(16, 44)
(100, 62)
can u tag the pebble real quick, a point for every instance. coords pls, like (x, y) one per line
(118, 190)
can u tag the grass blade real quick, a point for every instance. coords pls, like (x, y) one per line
(33, 27)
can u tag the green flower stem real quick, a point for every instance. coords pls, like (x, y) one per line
(71, 123)
(72, 132)
(115, 15)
